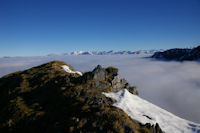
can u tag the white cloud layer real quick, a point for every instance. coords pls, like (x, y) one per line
(174, 86)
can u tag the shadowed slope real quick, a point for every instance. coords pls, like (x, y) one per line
(179, 54)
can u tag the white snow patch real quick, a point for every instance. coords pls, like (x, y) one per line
(67, 69)
(146, 112)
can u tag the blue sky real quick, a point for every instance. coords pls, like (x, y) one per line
(38, 27)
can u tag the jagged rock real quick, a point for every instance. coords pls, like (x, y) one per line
(101, 85)
(98, 74)
(112, 71)
(133, 90)
(109, 78)
(153, 128)
(116, 84)
(158, 129)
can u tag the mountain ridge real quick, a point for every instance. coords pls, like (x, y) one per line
(47, 98)
(111, 52)
(179, 54)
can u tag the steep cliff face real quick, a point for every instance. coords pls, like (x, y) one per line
(179, 54)
(54, 97)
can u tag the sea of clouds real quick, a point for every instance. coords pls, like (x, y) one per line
(174, 86)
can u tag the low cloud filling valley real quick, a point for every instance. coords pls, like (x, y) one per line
(174, 86)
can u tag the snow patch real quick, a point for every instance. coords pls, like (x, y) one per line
(146, 112)
(67, 69)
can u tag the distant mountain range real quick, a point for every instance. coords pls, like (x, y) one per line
(179, 54)
(111, 52)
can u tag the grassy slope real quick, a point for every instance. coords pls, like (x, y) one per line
(47, 99)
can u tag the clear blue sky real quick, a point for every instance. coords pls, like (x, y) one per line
(38, 27)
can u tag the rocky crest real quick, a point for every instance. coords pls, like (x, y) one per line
(49, 99)
(179, 54)
(109, 79)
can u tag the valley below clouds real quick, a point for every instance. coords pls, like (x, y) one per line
(174, 86)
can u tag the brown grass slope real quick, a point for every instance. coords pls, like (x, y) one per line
(46, 99)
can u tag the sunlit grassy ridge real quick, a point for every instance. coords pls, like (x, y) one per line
(48, 99)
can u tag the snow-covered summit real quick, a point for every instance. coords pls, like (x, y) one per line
(113, 52)
(146, 112)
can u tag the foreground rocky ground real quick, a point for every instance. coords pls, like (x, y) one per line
(49, 99)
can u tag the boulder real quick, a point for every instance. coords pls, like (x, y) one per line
(98, 74)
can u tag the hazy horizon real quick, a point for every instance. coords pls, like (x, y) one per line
(61, 53)
(69, 52)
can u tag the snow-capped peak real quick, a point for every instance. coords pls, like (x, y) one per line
(146, 112)
(76, 53)
(111, 52)
(67, 69)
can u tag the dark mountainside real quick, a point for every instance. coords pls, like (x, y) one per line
(47, 99)
(179, 54)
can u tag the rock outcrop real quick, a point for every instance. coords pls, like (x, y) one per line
(153, 128)
(98, 75)
(179, 54)
(109, 79)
